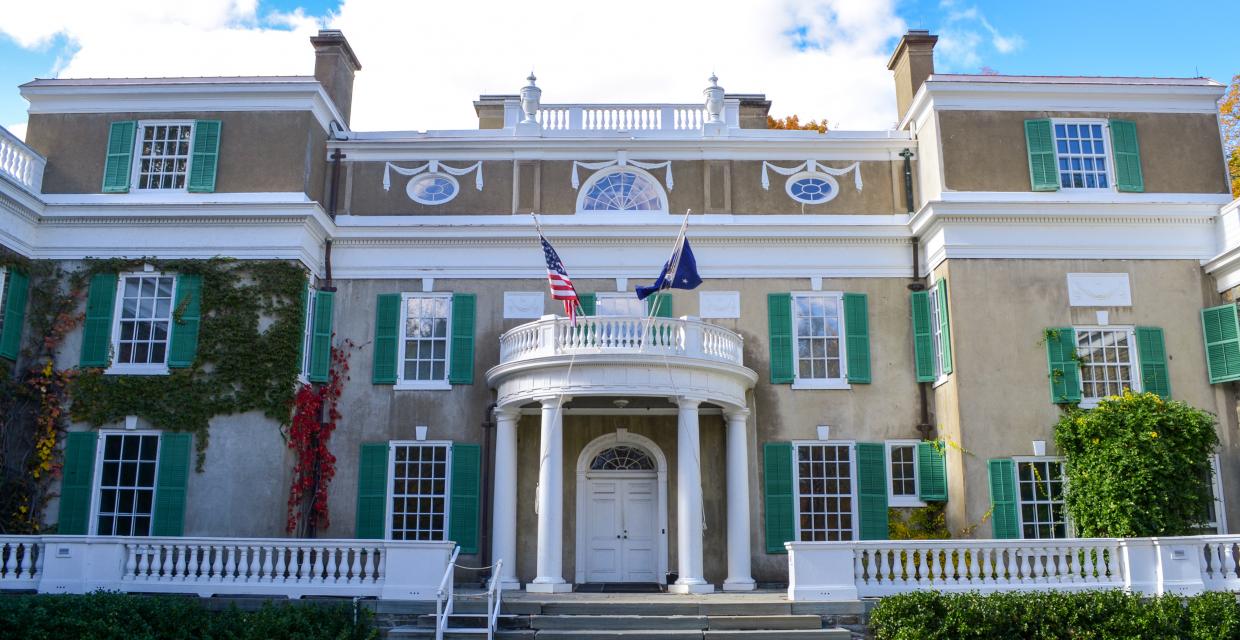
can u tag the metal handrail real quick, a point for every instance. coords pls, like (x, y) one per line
(442, 611)
(494, 597)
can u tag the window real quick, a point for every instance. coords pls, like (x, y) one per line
(419, 491)
(307, 333)
(424, 343)
(144, 322)
(1039, 484)
(1081, 150)
(1215, 525)
(812, 187)
(619, 304)
(622, 190)
(1108, 360)
(163, 153)
(902, 479)
(4, 297)
(824, 492)
(622, 458)
(126, 484)
(817, 328)
(936, 332)
(433, 188)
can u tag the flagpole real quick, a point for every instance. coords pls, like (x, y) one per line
(673, 261)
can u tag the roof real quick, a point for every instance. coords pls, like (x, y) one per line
(1120, 80)
(120, 82)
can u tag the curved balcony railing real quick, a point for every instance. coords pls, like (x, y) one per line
(555, 336)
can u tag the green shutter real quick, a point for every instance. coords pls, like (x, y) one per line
(779, 328)
(97, 327)
(945, 331)
(372, 478)
(660, 305)
(871, 491)
(589, 302)
(14, 314)
(202, 166)
(305, 313)
(1063, 369)
(777, 465)
(169, 516)
(119, 162)
(1152, 353)
(1221, 329)
(77, 483)
(857, 337)
(1043, 173)
(187, 317)
(466, 482)
(1127, 156)
(1003, 516)
(321, 336)
(931, 472)
(461, 369)
(923, 340)
(387, 327)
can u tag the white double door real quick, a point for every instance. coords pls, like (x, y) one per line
(622, 527)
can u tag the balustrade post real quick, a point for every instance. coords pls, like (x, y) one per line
(821, 572)
(693, 337)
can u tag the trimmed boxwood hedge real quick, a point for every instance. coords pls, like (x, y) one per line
(1093, 615)
(115, 616)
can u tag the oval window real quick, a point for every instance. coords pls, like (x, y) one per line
(432, 188)
(812, 187)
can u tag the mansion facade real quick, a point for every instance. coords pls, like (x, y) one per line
(888, 319)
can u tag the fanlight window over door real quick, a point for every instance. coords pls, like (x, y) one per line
(623, 190)
(622, 458)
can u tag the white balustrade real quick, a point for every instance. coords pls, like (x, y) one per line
(650, 119)
(21, 561)
(554, 336)
(20, 163)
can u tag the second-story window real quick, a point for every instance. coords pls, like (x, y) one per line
(144, 318)
(424, 357)
(163, 155)
(1081, 150)
(817, 330)
(620, 304)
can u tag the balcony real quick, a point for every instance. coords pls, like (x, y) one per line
(640, 356)
(20, 163)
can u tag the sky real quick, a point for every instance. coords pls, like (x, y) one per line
(423, 63)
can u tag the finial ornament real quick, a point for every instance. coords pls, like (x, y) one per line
(714, 100)
(530, 97)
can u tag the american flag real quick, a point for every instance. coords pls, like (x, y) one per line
(561, 285)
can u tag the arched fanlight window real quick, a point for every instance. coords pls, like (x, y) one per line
(622, 458)
(622, 189)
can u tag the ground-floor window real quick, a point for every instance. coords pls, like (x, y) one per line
(824, 492)
(1214, 524)
(1040, 491)
(127, 484)
(419, 495)
(902, 474)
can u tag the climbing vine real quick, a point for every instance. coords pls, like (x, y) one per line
(315, 415)
(247, 359)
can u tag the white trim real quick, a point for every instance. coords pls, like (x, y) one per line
(426, 385)
(1216, 482)
(595, 177)
(621, 436)
(904, 501)
(851, 447)
(142, 369)
(820, 383)
(135, 163)
(92, 527)
(1134, 359)
(307, 334)
(390, 479)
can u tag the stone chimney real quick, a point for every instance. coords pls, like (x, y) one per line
(911, 64)
(334, 66)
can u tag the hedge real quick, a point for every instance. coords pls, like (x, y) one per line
(1091, 615)
(115, 616)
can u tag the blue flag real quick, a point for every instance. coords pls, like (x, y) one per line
(685, 276)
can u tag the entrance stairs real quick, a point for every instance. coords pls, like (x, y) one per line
(612, 617)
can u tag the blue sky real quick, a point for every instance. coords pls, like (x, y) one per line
(771, 46)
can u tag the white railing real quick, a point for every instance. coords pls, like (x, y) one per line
(555, 336)
(223, 566)
(652, 119)
(20, 163)
(850, 570)
(444, 596)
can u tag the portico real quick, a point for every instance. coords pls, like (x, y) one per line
(681, 367)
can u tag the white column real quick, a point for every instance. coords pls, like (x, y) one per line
(550, 578)
(689, 502)
(504, 509)
(739, 578)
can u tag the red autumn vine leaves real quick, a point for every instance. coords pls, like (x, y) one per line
(309, 439)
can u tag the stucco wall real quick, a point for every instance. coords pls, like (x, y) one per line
(279, 151)
(986, 150)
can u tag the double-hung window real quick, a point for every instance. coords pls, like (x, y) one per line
(818, 331)
(424, 353)
(1039, 490)
(1108, 360)
(143, 323)
(937, 339)
(902, 487)
(162, 152)
(307, 338)
(823, 485)
(4, 297)
(126, 483)
(1082, 152)
(1216, 519)
(418, 509)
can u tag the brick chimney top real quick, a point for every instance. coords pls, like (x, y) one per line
(911, 63)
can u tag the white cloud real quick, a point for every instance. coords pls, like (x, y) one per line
(18, 129)
(964, 34)
(423, 63)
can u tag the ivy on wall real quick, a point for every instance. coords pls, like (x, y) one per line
(248, 343)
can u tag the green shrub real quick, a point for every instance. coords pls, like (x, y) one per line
(1137, 466)
(1090, 615)
(115, 616)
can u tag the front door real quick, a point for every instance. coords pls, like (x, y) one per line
(622, 527)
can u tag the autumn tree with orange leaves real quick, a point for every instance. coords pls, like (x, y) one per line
(1229, 121)
(794, 122)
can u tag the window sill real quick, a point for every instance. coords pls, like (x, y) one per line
(422, 385)
(904, 501)
(821, 384)
(137, 370)
(938, 383)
